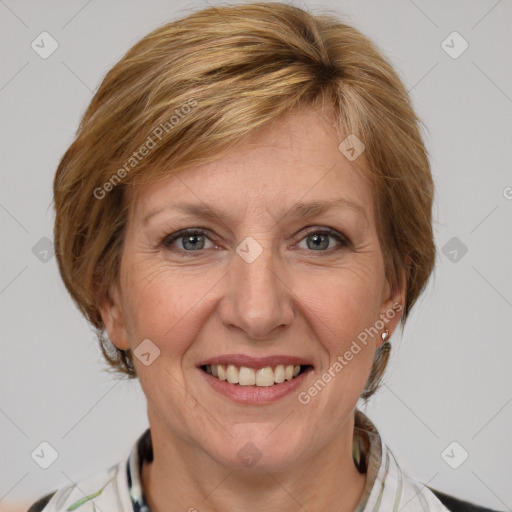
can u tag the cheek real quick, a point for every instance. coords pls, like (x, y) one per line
(342, 314)
(348, 305)
(160, 306)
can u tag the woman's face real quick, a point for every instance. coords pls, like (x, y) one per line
(287, 272)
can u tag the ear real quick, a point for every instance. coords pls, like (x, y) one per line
(113, 319)
(393, 302)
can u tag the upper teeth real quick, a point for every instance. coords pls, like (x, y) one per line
(244, 376)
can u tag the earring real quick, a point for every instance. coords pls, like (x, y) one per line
(385, 337)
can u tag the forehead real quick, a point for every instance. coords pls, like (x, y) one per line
(296, 159)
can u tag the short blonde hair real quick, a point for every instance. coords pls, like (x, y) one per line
(193, 89)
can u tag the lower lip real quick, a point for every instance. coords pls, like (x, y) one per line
(255, 395)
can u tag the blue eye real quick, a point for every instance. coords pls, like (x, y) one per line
(192, 240)
(318, 239)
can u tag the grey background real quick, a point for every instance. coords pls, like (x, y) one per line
(450, 374)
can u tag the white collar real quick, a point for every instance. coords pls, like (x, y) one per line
(387, 489)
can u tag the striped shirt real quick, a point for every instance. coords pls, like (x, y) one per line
(387, 489)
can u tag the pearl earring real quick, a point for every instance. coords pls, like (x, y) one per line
(385, 337)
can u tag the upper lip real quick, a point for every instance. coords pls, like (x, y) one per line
(255, 362)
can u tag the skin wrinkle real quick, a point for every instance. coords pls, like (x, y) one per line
(354, 233)
(286, 301)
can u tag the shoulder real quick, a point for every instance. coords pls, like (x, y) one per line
(39, 505)
(457, 505)
(403, 492)
(107, 490)
(417, 496)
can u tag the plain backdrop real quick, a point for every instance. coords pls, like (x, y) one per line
(449, 380)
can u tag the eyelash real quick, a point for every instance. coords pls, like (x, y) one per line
(168, 240)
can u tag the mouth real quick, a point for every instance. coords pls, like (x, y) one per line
(265, 376)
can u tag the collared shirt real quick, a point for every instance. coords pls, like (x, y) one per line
(387, 489)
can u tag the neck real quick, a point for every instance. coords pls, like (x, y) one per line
(184, 478)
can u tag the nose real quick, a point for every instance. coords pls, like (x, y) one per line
(257, 299)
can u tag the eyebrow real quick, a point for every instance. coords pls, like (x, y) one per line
(300, 209)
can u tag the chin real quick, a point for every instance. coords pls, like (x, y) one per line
(263, 451)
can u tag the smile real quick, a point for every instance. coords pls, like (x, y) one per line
(262, 377)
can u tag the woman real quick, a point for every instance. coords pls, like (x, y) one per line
(245, 218)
